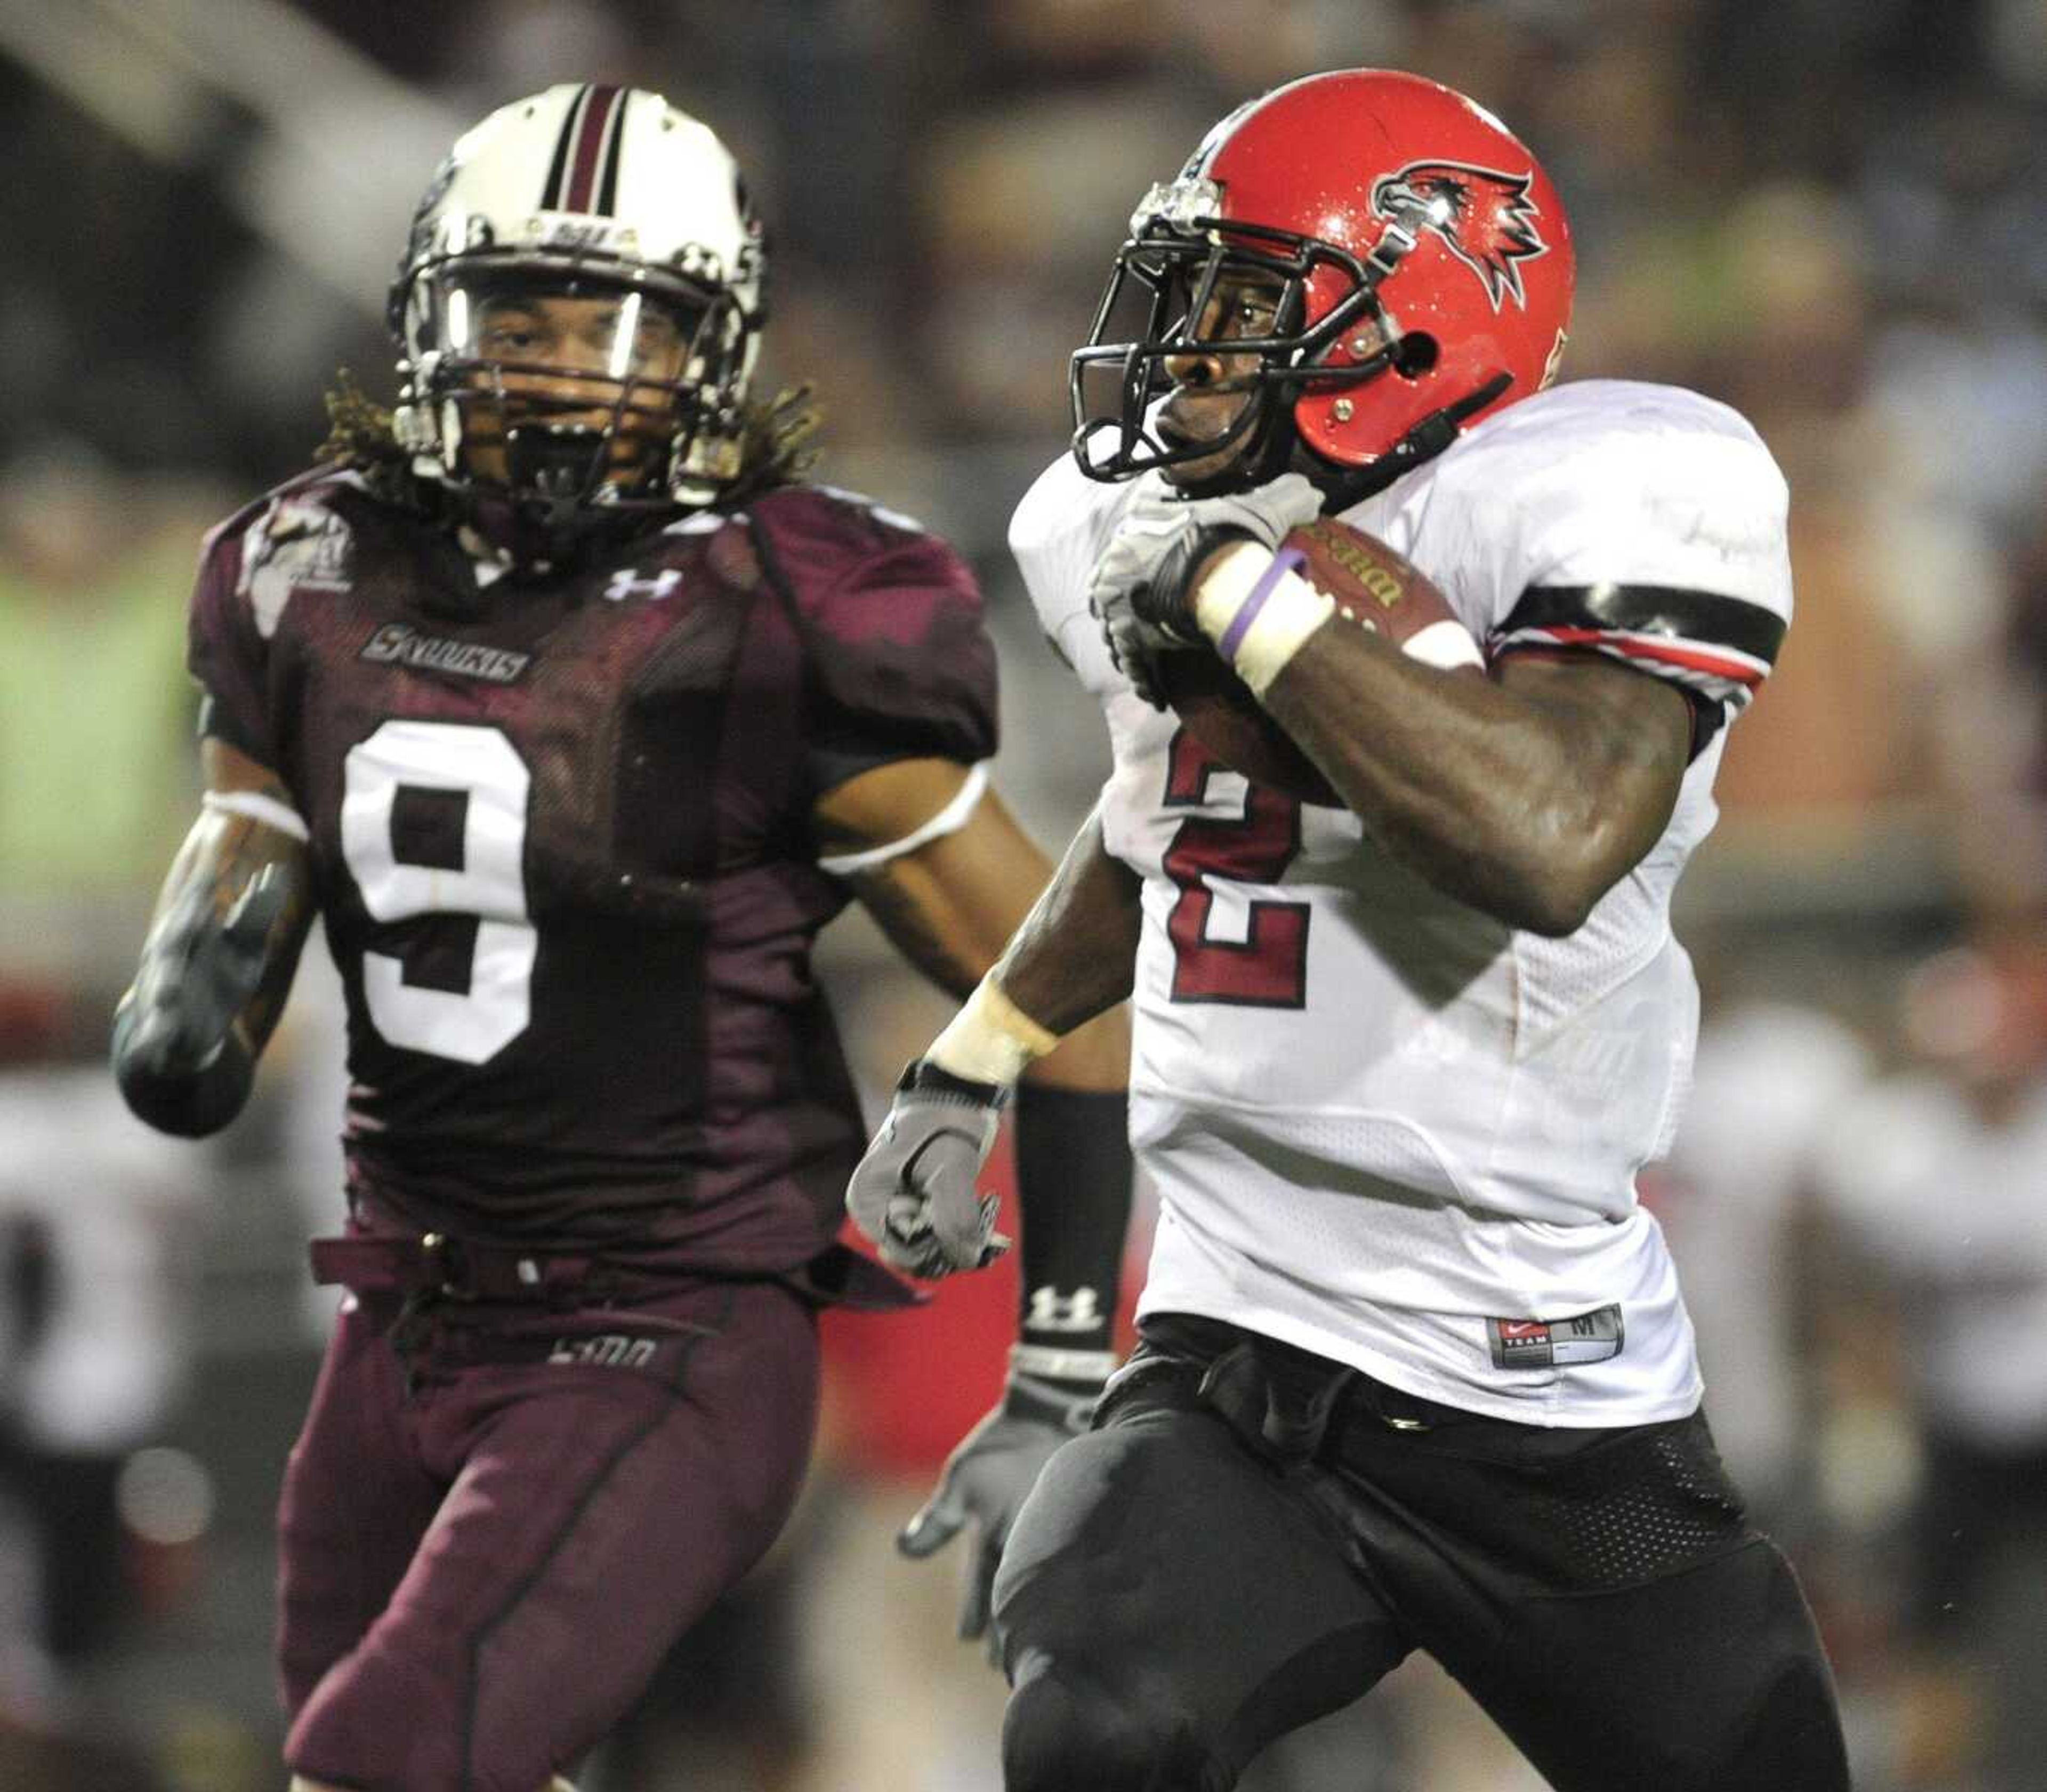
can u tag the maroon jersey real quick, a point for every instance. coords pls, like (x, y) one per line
(561, 832)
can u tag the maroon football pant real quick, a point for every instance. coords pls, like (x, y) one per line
(497, 1520)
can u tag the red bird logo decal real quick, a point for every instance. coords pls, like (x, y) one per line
(1485, 217)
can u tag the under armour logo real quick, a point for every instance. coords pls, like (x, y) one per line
(626, 582)
(1051, 1311)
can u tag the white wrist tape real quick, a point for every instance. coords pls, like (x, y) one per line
(1259, 611)
(991, 1039)
(255, 806)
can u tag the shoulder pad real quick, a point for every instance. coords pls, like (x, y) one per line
(891, 619)
(1640, 521)
(293, 539)
(1618, 482)
(820, 528)
(1057, 533)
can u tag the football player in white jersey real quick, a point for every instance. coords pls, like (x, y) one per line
(1414, 1371)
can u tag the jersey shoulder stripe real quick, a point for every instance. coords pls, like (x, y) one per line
(1667, 611)
(1720, 646)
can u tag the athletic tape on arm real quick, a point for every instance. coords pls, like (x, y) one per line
(1259, 611)
(991, 1039)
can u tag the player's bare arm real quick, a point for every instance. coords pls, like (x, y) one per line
(217, 961)
(1527, 795)
(951, 905)
(1072, 959)
(948, 903)
(1075, 953)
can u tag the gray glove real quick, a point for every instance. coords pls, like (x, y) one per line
(913, 1194)
(1140, 590)
(986, 1477)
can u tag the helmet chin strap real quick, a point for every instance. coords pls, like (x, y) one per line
(1275, 447)
(1342, 486)
(1269, 449)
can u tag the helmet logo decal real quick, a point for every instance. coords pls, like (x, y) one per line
(1483, 217)
(583, 176)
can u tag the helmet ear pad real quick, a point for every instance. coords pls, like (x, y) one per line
(1432, 355)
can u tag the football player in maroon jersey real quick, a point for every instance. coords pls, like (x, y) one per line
(573, 713)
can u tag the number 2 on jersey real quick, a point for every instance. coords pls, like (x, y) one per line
(1268, 968)
(477, 769)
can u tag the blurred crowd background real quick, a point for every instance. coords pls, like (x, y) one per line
(1827, 212)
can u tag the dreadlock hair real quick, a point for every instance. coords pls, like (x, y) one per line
(358, 428)
(359, 435)
(775, 445)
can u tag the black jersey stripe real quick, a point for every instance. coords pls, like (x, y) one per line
(551, 192)
(1675, 611)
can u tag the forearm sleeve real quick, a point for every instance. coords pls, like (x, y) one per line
(214, 974)
(1074, 1181)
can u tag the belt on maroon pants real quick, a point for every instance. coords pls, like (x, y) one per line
(431, 1262)
(464, 1269)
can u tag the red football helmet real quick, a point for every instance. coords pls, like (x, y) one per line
(1420, 263)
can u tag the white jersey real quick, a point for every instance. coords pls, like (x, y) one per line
(1949, 1201)
(1382, 1125)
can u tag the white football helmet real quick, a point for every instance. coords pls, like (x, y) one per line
(608, 206)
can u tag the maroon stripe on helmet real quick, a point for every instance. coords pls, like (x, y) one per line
(589, 151)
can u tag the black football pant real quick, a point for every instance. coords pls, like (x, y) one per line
(1252, 1537)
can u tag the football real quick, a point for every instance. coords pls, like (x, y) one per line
(1374, 588)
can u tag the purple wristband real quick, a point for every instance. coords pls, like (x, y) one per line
(1283, 562)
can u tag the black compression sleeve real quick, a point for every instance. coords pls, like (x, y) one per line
(1072, 1181)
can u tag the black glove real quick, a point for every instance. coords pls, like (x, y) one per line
(987, 1476)
(181, 1063)
(913, 1194)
